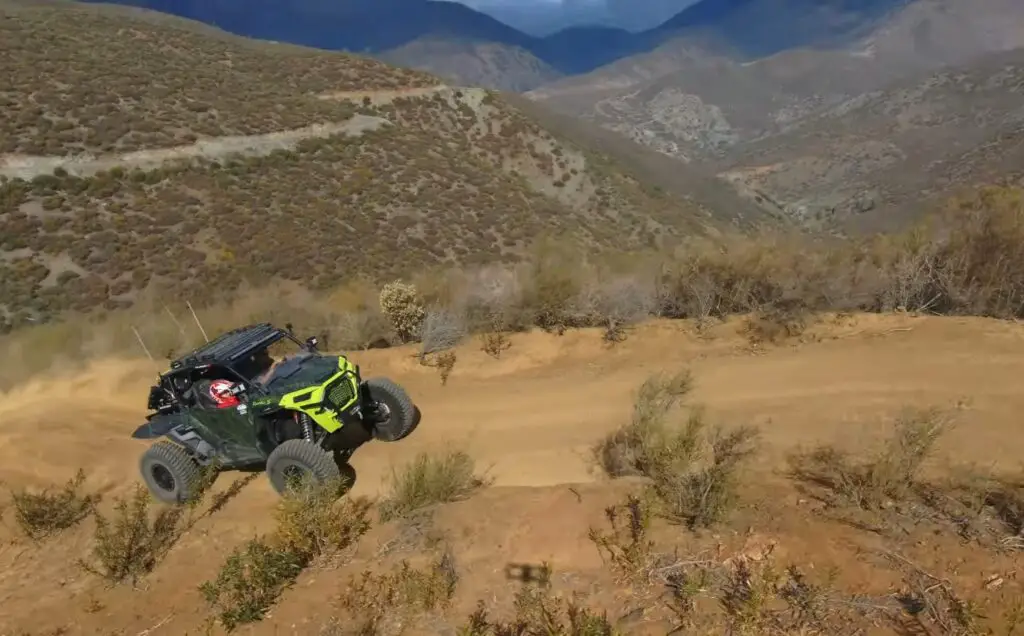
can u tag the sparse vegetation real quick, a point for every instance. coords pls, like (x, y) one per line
(430, 479)
(42, 514)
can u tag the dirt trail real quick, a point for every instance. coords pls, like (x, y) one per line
(532, 417)
(384, 96)
(28, 167)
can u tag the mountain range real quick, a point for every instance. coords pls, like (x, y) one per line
(837, 112)
(407, 31)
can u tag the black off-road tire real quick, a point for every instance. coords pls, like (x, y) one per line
(402, 415)
(170, 472)
(302, 459)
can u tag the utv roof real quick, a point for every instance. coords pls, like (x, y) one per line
(232, 346)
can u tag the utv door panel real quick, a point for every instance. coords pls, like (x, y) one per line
(233, 430)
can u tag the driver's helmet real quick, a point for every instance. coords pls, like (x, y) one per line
(220, 393)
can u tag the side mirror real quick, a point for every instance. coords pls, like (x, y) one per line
(312, 342)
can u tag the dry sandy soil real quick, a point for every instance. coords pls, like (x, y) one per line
(531, 418)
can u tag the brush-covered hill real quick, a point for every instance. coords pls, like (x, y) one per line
(144, 151)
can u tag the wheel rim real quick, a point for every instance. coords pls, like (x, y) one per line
(293, 474)
(162, 477)
(383, 415)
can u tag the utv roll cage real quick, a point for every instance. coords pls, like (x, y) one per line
(227, 351)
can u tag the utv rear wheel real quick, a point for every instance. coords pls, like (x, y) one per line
(170, 472)
(298, 459)
(392, 414)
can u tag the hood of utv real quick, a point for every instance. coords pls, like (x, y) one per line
(304, 370)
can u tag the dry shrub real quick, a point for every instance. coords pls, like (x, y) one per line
(494, 344)
(693, 468)
(491, 298)
(442, 329)
(311, 524)
(627, 450)
(251, 580)
(696, 473)
(131, 543)
(311, 520)
(616, 305)
(554, 280)
(428, 480)
(444, 362)
(890, 474)
(357, 330)
(378, 601)
(45, 513)
(627, 547)
(401, 304)
(540, 613)
(775, 324)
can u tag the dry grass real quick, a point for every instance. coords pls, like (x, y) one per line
(693, 468)
(43, 514)
(428, 480)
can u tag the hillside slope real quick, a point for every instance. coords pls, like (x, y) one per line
(844, 390)
(484, 64)
(157, 152)
(688, 101)
(877, 157)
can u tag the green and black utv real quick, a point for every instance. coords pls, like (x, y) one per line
(302, 416)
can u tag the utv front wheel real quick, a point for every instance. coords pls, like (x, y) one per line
(170, 472)
(297, 459)
(392, 414)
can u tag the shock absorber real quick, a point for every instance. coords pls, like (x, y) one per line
(307, 426)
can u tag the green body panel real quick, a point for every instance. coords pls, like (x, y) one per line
(230, 430)
(313, 400)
